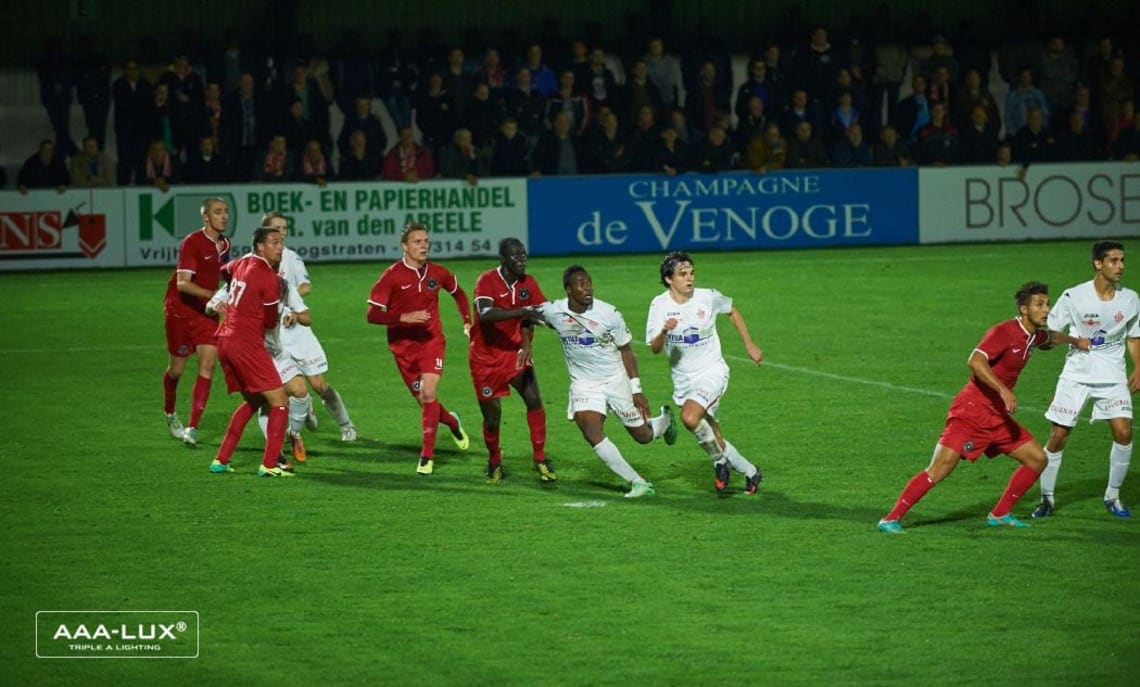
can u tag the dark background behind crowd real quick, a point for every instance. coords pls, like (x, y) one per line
(284, 90)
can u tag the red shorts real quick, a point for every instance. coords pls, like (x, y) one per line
(248, 368)
(973, 429)
(417, 358)
(492, 372)
(185, 332)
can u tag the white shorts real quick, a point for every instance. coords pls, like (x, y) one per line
(285, 365)
(707, 388)
(301, 344)
(614, 394)
(1109, 401)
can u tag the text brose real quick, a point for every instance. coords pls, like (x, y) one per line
(1055, 200)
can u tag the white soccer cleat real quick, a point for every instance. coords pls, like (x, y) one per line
(174, 425)
(348, 433)
(190, 436)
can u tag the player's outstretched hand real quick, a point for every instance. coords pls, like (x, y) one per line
(754, 353)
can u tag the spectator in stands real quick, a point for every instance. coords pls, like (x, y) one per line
(644, 139)
(1127, 145)
(978, 140)
(93, 87)
(526, 105)
(755, 87)
(714, 153)
(799, 110)
(1005, 155)
(436, 114)
(852, 150)
(937, 142)
(398, 74)
(767, 152)
(277, 163)
(1059, 73)
(44, 169)
(1021, 99)
(1116, 88)
(483, 115)
(244, 125)
(540, 75)
(312, 87)
(210, 122)
(1033, 143)
(751, 125)
(133, 98)
(845, 81)
(159, 122)
(90, 167)
(362, 119)
(817, 67)
(843, 116)
(57, 78)
(357, 163)
(778, 79)
(705, 104)
(600, 85)
(680, 123)
(941, 57)
(970, 95)
(891, 59)
(941, 88)
(913, 111)
(640, 92)
(298, 129)
(492, 73)
(672, 154)
(1124, 121)
(567, 99)
(609, 149)
(1099, 65)
(314, 167)
(1082, 105)
(159, 168)
(890, 150)
(805, 151)
(352, 72)
(664, 72)
(186, 98)
(229, 63)
(558, 152)
(509, 151)
(456, 80)
(205, 166)
(1076, 144)
(461, 159)
(407, 161)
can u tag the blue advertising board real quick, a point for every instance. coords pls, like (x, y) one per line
(735, 211)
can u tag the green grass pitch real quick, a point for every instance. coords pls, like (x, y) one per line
(359, 571)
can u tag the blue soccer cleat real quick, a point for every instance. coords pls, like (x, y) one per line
(1117, 508)
(1006, 520)
(1043, 509)
(891, 527)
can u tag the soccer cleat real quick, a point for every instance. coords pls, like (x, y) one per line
(174, 425)
(670, 434)
(640, 489)
(494, 473)
(1006, 520)
(545, 470)
(891, 527)
(311, 420)
(263, 471)
(751, 484)
(219, 467)
(425, 466)
(722, 476)
(1043, 509)
(298, 445)
(1117, 508)
(348, 433)
(284, 464)
(459, 436)
(190, 436)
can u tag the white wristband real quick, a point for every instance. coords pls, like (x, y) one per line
(635, 384)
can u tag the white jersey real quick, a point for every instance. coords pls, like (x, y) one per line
(590, 340)
(693, 346)
(293, 268)
(1107, 324)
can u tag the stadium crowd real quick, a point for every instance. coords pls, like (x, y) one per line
(875, 97)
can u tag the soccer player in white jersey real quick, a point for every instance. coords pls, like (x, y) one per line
(1109, 315)
(301, 343)
(603, 375)
(682, 322)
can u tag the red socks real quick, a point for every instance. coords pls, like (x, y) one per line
(169, 392)
(430, 420)
(914, 490)
(494, 450)
(447, 418)
(233, 432)
(275, 435)
(198, 400)
(1019, 482)
(536, 420)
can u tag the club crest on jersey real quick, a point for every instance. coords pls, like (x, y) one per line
(968, 446)
(1119, 316)
(183, 350)
(524, 294)
(701, 314)
(416, 385)
(432, 284)
(485, 392)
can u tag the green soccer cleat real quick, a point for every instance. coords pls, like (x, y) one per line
(494, 474)
(425, 466)
(640, 489)
(1006, 520)
(175, 426)
(545, 471)
(670, 434)
(891, 527)
(219, 467)
(459, 436)
(263, 471)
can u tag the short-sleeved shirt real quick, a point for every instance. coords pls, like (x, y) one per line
(402, 289)
(590, 340)
(253, 303)
(489, 338)
(694, 344)
(293, 268)
(1106, 324)
(1007, 346)
(203, 258)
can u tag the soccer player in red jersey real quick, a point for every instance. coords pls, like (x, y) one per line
(251, 309)
(500, 354)
(981, 416)
(189, 329)
(406, 300)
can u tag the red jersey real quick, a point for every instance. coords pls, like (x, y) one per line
(504, 335)
(252, 307)
(402, 289)
(203, 258)
(1007, 346)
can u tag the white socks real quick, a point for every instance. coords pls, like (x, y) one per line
(298, 411)
(1118, 459)
(658, 424)
(737, 461)
(1049, 474)
(611, 456)
(333, 403)
(706, 437)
